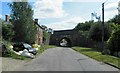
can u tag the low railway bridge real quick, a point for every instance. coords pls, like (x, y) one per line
(68, 38)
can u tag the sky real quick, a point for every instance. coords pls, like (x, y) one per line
(65, 14)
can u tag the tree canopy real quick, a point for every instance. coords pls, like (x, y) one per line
(115, 19)
(22, 19)
(84, 26)
(95, 32)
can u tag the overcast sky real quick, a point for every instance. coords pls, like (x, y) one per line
(66, 14)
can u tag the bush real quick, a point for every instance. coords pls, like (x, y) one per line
(5, 51)
(114, 41)
(84, 26)
(115, 19)
(46, 37)
(7, 31)
(96, 32)
(6, 48)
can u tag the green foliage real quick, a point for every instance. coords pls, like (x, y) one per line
(46, 36)
(22, 18)
(95, 54)
(84, 33)
(6, 51)
(84, 26)
(1, 29)
(96, 32)
(15, 56)
(114, 41)
(7, 31)
(115, 20)
(45, 47)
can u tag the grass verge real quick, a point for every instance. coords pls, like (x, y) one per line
(19, 57)
(93, 53)
(44, 47)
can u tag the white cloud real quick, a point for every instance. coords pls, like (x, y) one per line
(64, 25)
(48, 9)
(111, 10)
(110, 14)
(111, 5)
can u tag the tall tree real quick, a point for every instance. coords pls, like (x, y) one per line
(22, 18)
(84, 26)
(95, 32)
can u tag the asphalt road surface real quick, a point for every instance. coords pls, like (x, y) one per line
(0, 64)
(64, 59)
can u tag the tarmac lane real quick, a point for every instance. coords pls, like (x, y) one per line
(64, 59)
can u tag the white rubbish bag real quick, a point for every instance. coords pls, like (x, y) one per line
(27, 54)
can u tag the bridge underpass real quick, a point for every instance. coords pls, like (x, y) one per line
(64, 38)
(69, 38)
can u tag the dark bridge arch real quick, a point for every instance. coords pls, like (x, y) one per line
(65, 42)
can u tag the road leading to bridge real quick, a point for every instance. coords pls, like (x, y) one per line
(64, 59)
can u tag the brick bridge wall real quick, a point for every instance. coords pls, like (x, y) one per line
(58, 35)
(75, 38)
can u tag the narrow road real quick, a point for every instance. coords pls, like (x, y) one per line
(64, 59)
(0, 64)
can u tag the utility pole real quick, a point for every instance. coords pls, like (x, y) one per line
(103, 48)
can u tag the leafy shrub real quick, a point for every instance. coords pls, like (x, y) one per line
(7, 31)
(5, 51)
(115, 19)
(84, 33)
(84, 26)
(114, 41)
(96, 32)
(6, 48)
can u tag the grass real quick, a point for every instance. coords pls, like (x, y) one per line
(45, 47)
(93, 53)
(15, 56)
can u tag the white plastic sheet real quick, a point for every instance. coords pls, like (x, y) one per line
(27, 54)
